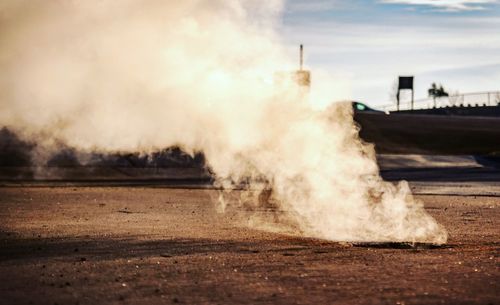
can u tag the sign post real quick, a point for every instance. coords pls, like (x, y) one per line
(405, 82)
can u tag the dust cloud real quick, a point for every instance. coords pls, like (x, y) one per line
(140, 76)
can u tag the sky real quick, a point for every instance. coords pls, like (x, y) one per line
(368, 43)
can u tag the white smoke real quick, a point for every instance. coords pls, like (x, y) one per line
(140, 76)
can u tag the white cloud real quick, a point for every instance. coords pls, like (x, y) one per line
(447, 5)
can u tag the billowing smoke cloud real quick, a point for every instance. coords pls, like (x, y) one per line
(139, 76)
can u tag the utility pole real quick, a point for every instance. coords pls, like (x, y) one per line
(301, 57)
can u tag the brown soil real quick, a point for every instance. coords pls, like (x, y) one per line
(97, 245)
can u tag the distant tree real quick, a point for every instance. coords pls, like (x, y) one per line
(436, 92)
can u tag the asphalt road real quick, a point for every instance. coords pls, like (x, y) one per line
(430, 134)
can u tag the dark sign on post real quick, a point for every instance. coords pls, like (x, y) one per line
(404, 83)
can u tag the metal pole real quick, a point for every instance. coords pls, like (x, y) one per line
(301, 57)
(397, 101)
(412, 98)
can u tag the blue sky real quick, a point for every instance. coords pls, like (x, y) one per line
(370, 43)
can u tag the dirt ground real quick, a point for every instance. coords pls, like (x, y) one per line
(154, 245)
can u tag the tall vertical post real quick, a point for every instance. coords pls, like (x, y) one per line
(301, 57)
(405, 82)
(397, 101)
(412, 98)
